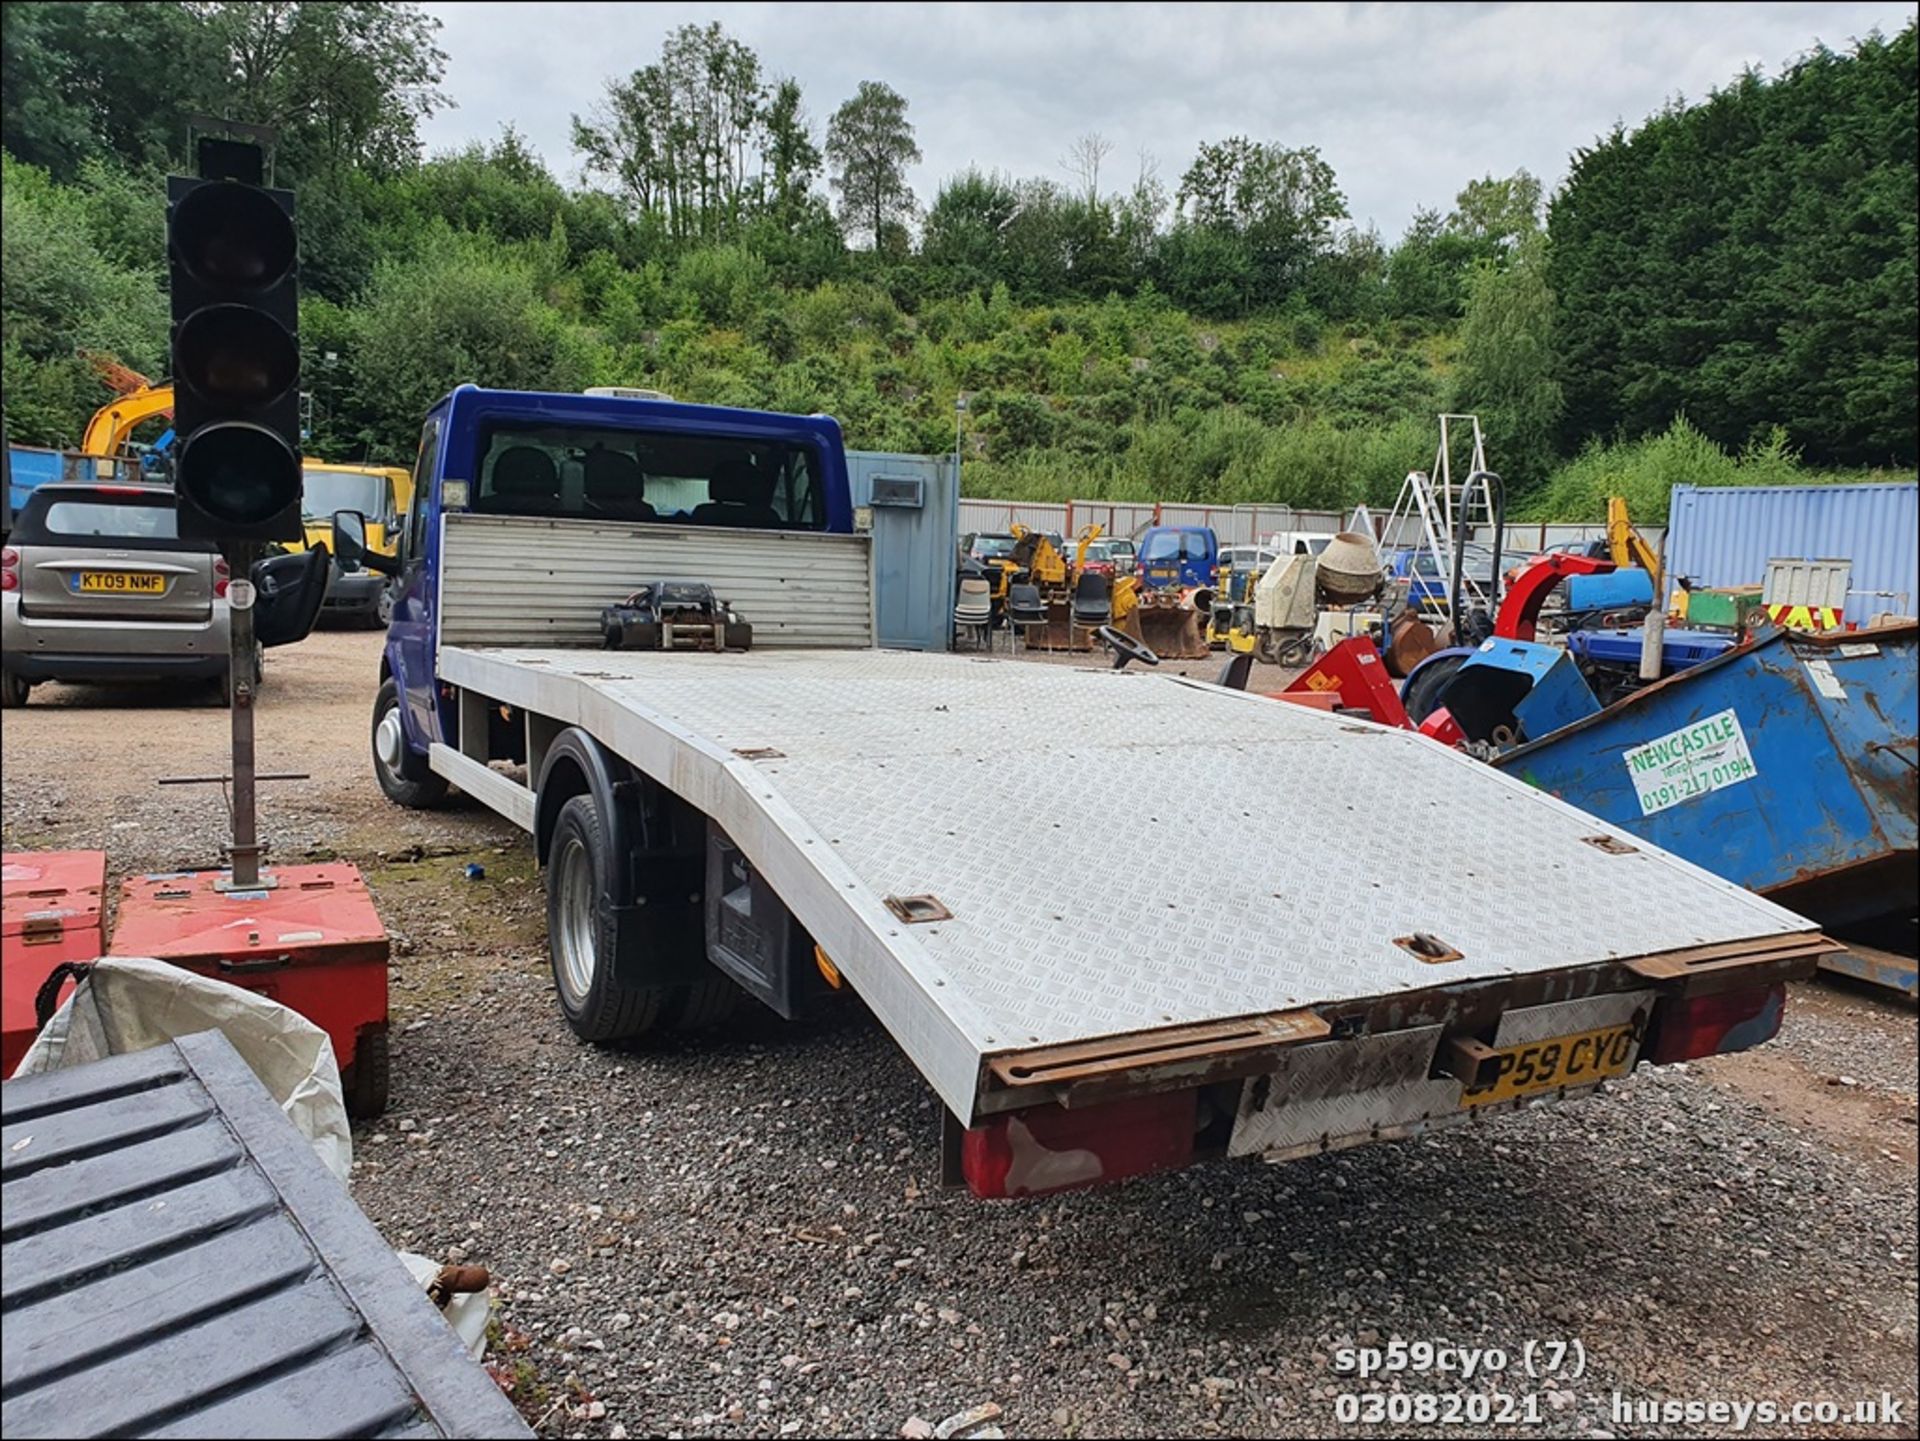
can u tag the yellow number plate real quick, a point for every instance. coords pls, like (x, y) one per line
(1562, 1061)
(121, 582)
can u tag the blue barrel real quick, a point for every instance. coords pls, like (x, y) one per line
(1786, 765)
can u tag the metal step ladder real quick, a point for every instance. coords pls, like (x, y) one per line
(1434, 507)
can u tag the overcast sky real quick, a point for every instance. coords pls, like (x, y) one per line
(1407, 102)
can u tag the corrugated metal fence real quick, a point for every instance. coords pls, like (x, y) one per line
(1234, 524)
(1726, 536)
(1237, 524)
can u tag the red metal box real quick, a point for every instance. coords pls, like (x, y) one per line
(49, 913)
(313, 942)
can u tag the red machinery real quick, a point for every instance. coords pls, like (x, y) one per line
(1519, 611)
(51, 911)
(312, 942)
(1353, 670)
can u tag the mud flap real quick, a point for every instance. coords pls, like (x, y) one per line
(750, 933)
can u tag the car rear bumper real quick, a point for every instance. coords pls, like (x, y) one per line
(42, 666)
(56, 648)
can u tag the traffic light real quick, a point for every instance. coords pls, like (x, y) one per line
(232, 257)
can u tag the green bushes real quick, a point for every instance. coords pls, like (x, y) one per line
(1645, 472)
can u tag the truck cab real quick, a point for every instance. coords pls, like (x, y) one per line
(617, 460)
(1178, 556)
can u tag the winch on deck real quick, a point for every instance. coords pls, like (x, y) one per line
(674, 615)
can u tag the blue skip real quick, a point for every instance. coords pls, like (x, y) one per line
(1787, 766)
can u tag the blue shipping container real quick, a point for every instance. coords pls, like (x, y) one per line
(1787, 766)
(1724, 536)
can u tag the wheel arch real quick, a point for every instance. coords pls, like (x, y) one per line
(578, 765)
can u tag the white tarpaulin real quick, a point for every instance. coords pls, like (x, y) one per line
(128, 1004)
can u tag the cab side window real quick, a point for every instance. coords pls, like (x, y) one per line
(416, 545)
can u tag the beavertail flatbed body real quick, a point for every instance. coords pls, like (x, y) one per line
(1119, 920)
(1265, 864)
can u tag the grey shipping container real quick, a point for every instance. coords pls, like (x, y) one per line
(915, 504)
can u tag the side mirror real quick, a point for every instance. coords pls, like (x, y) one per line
(350, 544)
(287, 592)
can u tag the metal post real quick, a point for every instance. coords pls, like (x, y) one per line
(1653, 640)
(244, 854)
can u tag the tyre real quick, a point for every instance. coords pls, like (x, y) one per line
(367, 1080)
(1422, 696)
(381, 612)
(706, 1002)
(13, 690)
(581, 934)
(404, 776)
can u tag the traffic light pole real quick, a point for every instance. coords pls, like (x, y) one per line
(244, 854)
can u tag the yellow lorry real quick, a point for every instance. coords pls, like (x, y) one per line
(382, 494)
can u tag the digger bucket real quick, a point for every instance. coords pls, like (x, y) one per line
(1172, 632)
(1061, 633)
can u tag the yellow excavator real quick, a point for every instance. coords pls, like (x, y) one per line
(380, 493)
(136, 400)
(1627, 546)
(1046, 567)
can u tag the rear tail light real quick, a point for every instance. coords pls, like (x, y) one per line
(1714, 1025)
(1049, 1148)
(220, 590)
(9, 569)
(221, 570)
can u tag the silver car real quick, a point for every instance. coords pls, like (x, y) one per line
(96, 585)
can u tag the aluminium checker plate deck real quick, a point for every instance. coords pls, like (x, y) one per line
(1121, 851)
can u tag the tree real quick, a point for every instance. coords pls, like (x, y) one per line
(675, 136)
(1279, 204)
(1494, 216)
(1751, 261)
(1508, 372)
(870, 143)
(965, 232)
(1083, 161)
(344, 84)
(99, 81)
(462, 309)
(790, 159)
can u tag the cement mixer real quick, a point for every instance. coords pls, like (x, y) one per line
(1289, 598)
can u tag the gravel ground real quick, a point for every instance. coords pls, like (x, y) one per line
(743, 1235)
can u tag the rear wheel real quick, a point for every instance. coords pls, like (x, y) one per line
(581, 934)
(404, 776)
(13, 690)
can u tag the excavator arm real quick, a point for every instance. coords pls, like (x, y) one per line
(113, 423)
(1626, 545)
